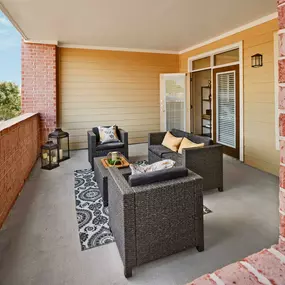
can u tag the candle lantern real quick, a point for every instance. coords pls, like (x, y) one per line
(49, 156)
(61, 138)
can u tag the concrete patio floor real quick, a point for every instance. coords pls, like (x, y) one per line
(39, 242)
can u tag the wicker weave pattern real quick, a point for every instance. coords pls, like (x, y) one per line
(102, 176)
(94, 152)
(206, 161)
(164, 218)
(122, 218)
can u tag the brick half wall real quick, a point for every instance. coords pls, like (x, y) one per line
(19, 150)
(39, 84)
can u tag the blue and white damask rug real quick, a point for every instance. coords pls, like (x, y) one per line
(92, 217)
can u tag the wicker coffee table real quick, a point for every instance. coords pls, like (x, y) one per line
(101, 176)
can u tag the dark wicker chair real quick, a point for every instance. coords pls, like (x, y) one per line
(96, 149)
(206, 161)
(155, 220)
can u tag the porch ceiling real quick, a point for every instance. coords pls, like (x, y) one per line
(148, 24)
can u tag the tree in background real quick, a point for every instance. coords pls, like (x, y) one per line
(10, 101)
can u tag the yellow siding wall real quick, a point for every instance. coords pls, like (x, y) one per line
(259, 118)
(108, 87)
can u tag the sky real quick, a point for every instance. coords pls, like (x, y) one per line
(10, 51)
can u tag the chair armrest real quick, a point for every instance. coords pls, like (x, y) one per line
(207, 162)
(124, 136)
(155, 138)
(194, 153)
(122, 216)
(92, 143)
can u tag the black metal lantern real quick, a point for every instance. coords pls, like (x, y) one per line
(61, 138)
(49, 155)
(256, 60)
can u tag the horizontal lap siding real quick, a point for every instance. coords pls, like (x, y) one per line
(109, 87)
(259, 105)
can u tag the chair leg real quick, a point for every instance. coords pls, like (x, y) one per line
(200, 248)
(221, 189)
(128, 272)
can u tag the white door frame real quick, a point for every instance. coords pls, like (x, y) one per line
(211, 54)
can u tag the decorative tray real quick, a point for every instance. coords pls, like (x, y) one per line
(120, 164)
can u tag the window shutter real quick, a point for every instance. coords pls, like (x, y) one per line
(226, 109)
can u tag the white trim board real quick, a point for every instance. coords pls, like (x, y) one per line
(55, 43)
(14, 23)
(276, 89)
(118, 49)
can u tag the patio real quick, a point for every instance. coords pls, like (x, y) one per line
(39, 242)
(77, 78)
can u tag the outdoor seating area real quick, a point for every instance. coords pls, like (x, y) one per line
(133, 152)
(140, 199)
(45, 216)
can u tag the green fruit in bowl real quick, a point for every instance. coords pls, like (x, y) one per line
(114, 162)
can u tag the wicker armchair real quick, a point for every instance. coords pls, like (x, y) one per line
(96, 149)
(155, 220)
(206, 161)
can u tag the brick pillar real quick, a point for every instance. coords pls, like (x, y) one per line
(281, 64)
(39, 84)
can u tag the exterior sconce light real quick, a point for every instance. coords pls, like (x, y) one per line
(257, 60)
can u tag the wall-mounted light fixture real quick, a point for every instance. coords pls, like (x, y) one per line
(256, 60)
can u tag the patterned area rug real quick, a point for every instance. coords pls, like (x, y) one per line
(92, 217)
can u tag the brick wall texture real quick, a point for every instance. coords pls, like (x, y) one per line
(39, 84)
(19, 145)
(281, 65)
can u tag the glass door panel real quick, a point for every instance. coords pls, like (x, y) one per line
(173, 101)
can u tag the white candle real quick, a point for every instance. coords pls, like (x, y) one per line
(114, 155)
(54, 159)
(45, 155)
(60, 154)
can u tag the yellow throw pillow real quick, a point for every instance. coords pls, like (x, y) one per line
(171, 142)
(188, 144)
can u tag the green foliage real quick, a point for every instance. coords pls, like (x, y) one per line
(10, 101)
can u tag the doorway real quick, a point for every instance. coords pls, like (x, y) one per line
(225, 65)
(201, 105)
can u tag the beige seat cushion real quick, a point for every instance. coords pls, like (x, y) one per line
(188, 144)
(171, 142)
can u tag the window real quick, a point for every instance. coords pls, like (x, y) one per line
(226, 57)
(201, 63)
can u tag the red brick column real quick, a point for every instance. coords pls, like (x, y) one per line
(281, 64)
(39, 84)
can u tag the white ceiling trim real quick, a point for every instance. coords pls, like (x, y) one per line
(234, 31)
(14, 23)
(42, 42)
(117, 49)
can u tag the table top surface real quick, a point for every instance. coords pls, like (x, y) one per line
(98, 162)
